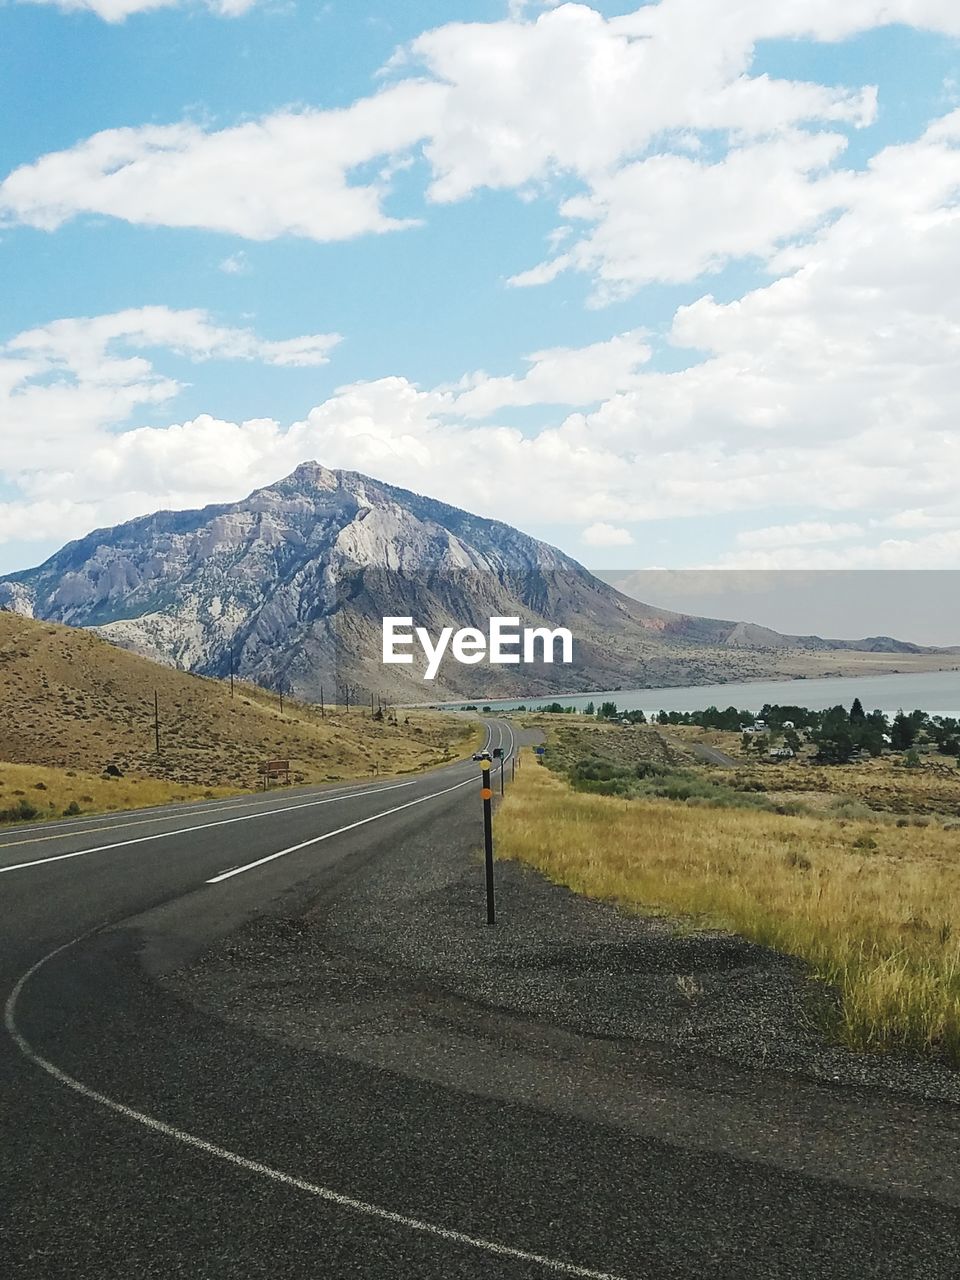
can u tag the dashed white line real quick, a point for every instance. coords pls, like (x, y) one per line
(206, 826)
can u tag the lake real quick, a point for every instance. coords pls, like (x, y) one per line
(936, 692)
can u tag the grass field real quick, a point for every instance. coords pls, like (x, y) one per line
(873, 908)
(30, 792)
(71, 704)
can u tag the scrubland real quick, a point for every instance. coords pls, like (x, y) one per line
(870, 903)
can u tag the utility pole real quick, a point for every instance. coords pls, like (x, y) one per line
(281, 697)
(233, 664)
(156, 718)
(323, 714)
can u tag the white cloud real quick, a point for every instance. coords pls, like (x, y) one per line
(289, 173)
(649, 216)
(65, 384)
(828, 395)
(119, 10)
(571, 100)
(559, 376)
(606, 535)
(579, 94)
(807, 533)
(934, 551)
(235, 264)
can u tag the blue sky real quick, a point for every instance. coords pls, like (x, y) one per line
(758, 338)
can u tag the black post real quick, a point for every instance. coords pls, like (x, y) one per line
(281, 699)
(233, 664)
(503, 765)
(323, 714)
(513, 768)
(156, 718)
(487, 793)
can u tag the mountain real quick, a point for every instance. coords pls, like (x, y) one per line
(289, 587)
(70, 701)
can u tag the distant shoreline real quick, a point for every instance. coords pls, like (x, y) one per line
(646, 693)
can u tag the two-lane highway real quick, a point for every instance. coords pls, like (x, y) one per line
(399, 1125)
(210, 867)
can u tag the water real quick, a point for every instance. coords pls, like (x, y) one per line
(936, 692)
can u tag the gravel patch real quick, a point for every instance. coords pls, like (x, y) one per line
(399, 948)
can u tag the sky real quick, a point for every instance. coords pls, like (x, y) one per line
(669, 286)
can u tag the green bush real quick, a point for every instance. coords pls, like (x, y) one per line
(22, 811)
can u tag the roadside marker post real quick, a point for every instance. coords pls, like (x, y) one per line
(487, 794)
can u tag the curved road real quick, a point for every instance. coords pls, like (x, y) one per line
(142, 1138)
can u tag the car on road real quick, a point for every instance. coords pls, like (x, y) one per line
(482, 755)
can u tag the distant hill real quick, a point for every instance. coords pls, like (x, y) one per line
(290, 586)
(70, 700)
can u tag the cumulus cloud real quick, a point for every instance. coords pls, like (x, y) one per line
(829, 394)
(119, 10)
(807, 533)
(556, 99)
(649, 224)
(606, 535)
(561, 376)
(289, 173)
(65, 384)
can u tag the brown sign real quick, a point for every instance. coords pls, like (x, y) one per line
(274, 766)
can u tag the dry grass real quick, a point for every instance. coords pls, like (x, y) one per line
(70, 701)
(31, 792)
(874, 909)
(884, 785)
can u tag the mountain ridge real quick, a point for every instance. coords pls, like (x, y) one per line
(289, 586)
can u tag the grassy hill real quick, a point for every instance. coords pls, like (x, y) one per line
(72, 705)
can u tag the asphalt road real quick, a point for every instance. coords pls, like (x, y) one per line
(142, 1137)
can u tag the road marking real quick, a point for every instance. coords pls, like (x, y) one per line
(60, 831)
(205, 826)
(337, 1198)
(352, 826)
(186, 811)
(222, 822)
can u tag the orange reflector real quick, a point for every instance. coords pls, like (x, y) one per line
(486, 793)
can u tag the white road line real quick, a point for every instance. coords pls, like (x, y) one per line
(206, 826)
(181, 812)
(352, 826)
(363, 1207)
(142, 818)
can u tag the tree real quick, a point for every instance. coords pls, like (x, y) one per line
(608, 711)
(835, 745)
(903, 731)
(836, 738)
(857, 713)
(589, 709)
(792, 739)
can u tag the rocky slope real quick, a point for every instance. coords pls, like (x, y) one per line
(289, 587)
